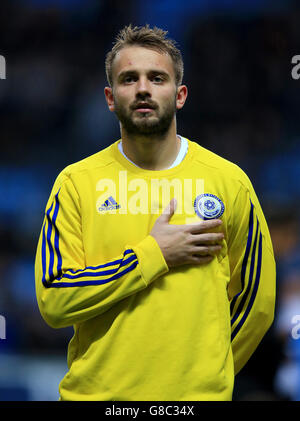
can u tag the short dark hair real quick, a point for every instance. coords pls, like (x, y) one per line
(146, 37)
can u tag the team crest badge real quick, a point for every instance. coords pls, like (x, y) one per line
(208, 206)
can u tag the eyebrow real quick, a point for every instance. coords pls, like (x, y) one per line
(152, 72)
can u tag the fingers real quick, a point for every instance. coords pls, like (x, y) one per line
(203, 225)
(206, 238)
(200, 260)
(206, 250)
(169, 210)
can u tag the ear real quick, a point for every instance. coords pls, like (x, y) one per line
(182, 93)
(108, 92)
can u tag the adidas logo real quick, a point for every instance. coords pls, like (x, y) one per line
(109, 204)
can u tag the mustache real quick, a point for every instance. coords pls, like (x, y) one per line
(143, 104)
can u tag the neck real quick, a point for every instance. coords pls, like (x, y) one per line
(152, 152)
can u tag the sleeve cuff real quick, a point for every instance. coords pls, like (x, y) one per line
(151, 260)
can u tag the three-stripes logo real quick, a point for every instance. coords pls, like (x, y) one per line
(109, 204)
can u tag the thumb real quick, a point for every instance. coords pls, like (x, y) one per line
(169, 210)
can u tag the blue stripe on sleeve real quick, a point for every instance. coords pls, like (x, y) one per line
(85, 273)
(246, 293)
(52, 252)
(245, 260)
(113, 263)
(91, 282)
(254, 291)
(49, 232)
(44, 254)
(80, 273)
(56, 238)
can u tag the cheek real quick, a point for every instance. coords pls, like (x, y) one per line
(168, 99)
(121, 103)
(124, 95)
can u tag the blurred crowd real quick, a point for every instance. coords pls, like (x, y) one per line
(243, 104)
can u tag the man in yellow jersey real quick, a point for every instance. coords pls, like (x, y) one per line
(154, 249)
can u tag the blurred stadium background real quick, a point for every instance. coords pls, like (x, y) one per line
(243, 104)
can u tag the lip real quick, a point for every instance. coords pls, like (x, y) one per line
(144, 107)
(144, 110)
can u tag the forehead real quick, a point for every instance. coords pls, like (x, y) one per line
(142, 59)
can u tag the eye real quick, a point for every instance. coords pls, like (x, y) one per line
(128, 79)
(157, 79)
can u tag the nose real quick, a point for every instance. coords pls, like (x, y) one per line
(143, 87)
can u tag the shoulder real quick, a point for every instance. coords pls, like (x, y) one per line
(222, 168)
(98, 160)
(77, 172)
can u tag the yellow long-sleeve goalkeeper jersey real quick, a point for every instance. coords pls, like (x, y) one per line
(143, 331)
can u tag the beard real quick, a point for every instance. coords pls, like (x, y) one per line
(156, 123)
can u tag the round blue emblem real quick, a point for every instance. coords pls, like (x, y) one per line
(208, 206)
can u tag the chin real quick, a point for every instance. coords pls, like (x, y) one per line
(145, 125)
